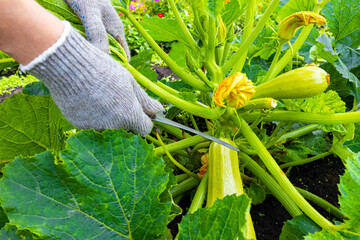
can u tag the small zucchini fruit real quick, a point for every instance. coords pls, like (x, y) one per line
(224, 177)
(298, 83)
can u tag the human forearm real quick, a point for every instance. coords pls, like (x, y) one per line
(27, 29)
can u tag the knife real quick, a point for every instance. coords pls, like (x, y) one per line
(160, 118)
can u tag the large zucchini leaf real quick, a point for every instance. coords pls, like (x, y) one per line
(108, 185)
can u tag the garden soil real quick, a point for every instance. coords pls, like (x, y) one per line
(320, 177)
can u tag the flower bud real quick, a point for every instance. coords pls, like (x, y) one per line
(290, 24)
(236, 90)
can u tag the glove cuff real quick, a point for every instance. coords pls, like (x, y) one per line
(69, 64)
(48, 52)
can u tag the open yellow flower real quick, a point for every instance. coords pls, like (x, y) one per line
(288, 26)
(236, 90)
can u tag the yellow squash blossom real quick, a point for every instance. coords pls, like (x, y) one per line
(288, 26)
(236, 90)
(205, 165)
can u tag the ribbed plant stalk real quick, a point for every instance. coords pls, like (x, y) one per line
(189, 39)
(271, 184)
(194, 109)
(245, 44)
(179, 71)
(209, 61)
(298, 132)
(249, 22)
(281, 178)
(281, 64)
(184, 186)
(182, 144)
(307, 160)
(200, 194)
(305, 117)
(322, 203)
(273, 63)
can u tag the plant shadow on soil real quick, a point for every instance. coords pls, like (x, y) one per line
(320, 178)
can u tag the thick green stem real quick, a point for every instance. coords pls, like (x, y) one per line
(273, 63)
(184, 186)
(295, 47)
(200, 195)
(153, 140)
(178, 133)
(281, 178)
(248, 41)
(313, 118)
(188, 142)
(181, 177)
(308, 160)
(298, 132)
(179, 71)
(210, 61)
(249, 22)
(271, 184)
(198, 25)
(322, 203)
(170, 98)
(189, 39)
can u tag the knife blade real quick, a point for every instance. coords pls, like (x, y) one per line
(162, 119)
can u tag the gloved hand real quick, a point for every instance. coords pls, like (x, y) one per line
(98, 18)
(91, 89)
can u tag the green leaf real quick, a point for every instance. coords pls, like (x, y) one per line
(343, 17)
(36, 89)
(298, 227)
(328, 102)
(178, 53)
(3, 218)
(142, 62)
(256, 193)
(6, 61)
(254, 72)
(226, 219)
(232, 11)
(353, 84)
(338, 84)
(60, 9)
(12, 233)
(163, 29)
(349, 188)
(296, 151)
(102, 186)
(316, 142)
(354, 144)
(214, 7)
(294, 6)
(324, 49)
(29, 125)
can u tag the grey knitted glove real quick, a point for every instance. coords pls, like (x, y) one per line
(99, 17)
(91, 89)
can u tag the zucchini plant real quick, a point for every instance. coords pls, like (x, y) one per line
(63, 183)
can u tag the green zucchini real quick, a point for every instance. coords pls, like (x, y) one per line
(298, 83)
(224, 177)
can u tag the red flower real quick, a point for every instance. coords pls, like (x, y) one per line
(160, 15)
(153, 15)
(120, 14)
